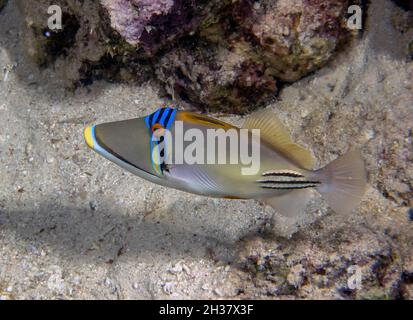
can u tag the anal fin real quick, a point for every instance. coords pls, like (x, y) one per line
(292, 204)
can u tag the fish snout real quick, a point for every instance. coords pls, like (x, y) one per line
(126, 143)
(88, 134)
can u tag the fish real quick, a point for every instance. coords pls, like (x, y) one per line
(160, 147)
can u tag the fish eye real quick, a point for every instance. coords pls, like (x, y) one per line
(156, 126)
(158, 130)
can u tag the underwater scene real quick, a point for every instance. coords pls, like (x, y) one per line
(206, 150)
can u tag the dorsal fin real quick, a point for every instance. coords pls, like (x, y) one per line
(274, 133)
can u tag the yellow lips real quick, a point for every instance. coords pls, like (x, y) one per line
(88, 136)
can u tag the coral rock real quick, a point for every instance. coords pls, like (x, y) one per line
(151, 24)
(293, 38)
(215, 78)
(225, 56)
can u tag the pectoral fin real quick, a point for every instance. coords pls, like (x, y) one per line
(276, 134)
(194, 177)
(291, 204)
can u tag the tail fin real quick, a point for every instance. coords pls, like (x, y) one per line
(343, 182)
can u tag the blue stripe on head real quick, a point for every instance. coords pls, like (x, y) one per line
(150, 120)
(155, 117)
(93, 136)
(164, 115)
(147, 122)
(168, 113)
(171, 119)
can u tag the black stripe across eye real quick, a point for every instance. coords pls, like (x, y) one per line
(150, 119)
(160, 115)
(167, 117)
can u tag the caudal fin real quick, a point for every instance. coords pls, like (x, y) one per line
(343, 182)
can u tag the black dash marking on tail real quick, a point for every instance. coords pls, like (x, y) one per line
(282, 174)
(289, 182)
(285, 179)
(287, 188)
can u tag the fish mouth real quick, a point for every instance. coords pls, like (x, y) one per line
(101, 148)
(89, 136)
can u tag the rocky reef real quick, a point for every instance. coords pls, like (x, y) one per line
(153, 25)
(227, 56)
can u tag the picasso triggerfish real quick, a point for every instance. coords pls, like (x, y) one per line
(206, 156)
